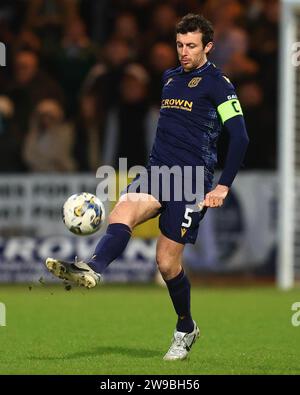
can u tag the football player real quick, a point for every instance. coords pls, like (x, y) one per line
(198, 101)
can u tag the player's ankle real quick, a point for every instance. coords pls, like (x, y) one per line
(185, 324)
(92, 266)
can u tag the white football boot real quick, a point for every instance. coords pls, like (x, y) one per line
(181, 344)
(78, 272)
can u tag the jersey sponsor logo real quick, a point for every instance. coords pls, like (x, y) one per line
(230, 97)
(179, 104)
(194, 82)
(168, 82)
(183, 231)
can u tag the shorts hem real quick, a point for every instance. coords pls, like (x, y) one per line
(177, 240)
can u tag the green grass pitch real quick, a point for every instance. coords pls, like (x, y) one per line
(127, 329)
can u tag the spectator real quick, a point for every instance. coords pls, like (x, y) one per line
(162, 26)
(127, 123)
(72, 61)
(106, 75)
(11, 15)
(140, 8)
(88, 137)
(10, 21)
(184, 7)
(231, 41)
(29, 86)
(48, 18)
(10, 147)
(126, 28)
(49, 143)
(264, 48)
(27, 39)
(162, 57)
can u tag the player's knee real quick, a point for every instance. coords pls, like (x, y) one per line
(166, 264)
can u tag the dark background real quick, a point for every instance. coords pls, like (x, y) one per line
(82, 82)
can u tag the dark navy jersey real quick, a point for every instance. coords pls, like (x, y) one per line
(194, 107)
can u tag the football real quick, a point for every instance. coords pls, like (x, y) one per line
(83, 213)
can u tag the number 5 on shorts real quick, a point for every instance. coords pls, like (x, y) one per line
(188, 218)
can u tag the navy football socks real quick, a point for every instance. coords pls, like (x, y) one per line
(112, 244)
(180, 293)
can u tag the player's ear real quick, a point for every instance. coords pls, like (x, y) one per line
(209, 46)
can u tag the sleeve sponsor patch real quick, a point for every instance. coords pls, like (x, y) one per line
(229, 109)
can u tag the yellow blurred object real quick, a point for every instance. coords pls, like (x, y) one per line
(149, 229)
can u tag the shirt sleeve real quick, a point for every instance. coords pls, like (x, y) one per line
(166, 76)
(223, 96)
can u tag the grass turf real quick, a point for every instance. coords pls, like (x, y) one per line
(127, 330)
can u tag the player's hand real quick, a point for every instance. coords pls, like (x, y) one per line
(215, 198)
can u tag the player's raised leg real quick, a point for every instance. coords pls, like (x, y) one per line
(132, 209)
(169, 260)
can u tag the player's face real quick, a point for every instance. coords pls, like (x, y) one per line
(190, 50)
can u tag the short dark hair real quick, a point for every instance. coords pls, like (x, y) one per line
(196, 23)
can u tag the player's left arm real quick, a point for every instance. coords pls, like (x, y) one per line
(231, 115)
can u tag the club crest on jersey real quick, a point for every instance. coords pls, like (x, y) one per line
(194, 82)
(169, 80)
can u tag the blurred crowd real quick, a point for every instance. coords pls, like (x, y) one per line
(82, 81)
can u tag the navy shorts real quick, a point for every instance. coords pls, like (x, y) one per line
(178, 219)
